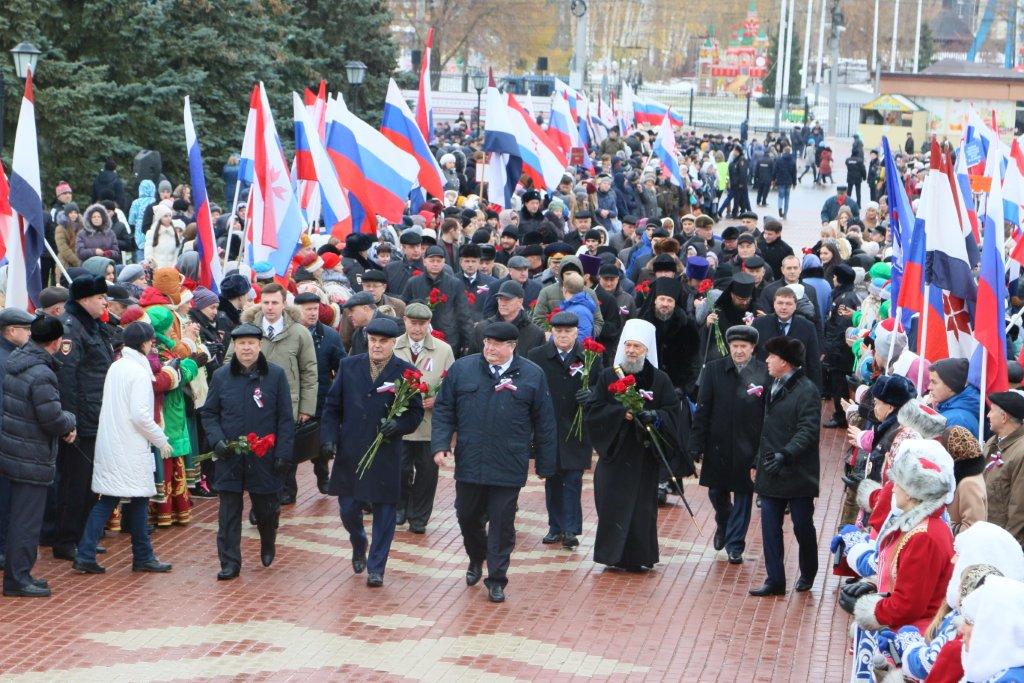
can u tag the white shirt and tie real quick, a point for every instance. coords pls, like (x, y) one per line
(498, 370)
(270, 330)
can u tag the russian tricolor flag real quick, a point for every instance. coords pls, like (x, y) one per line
(919, 296)
(27, 204)
(665, 149)
(652, 112)
(561, 128)
(210, 273)
(399, 126)
(334, 207)
(542, 160)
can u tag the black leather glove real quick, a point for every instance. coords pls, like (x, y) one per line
(282, 466)
(221, 448)
(851, 593)
(328, 449)
(389, 428)
(583, 396)
(772, 464)
(853, 480)
(647, 417)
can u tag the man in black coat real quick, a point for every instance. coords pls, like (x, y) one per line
(855, 174)
(787, 465)
(33, 421)
(248, 395)
(838, 354)
(355, 412)
(784, 177)
(510, 310)
(785, 323)
(562, 360)
(478, 285)
(400, 271)
(329, 353)
(499, 405)
(735, 306)
(772, 247)
(451, 316)
(84, 357)
(763, 178)
(726, 432)
(518, 271)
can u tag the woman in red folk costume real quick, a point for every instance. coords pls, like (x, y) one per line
(915, 546)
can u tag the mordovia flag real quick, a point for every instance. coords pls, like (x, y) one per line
(542, 160)
(11, 248)
(27, 203)
(400, 128)
(275, 220)
(206, 244)
(948, 266)
(337, 215)
(424, 100)
(665, 149)
(504, 165)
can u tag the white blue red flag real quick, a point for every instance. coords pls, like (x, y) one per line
(542, 160)
(399, 126)
(334, 207)
(26, 199)
(424, 98)
(665, 149)
(210, 273)
(505, 164)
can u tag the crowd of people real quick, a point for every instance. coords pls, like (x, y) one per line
(670, 330)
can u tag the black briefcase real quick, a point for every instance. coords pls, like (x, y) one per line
(307, 440)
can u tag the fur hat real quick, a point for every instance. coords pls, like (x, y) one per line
(788, 349)
(86, 286)
(886, 336)
(922, 418)
(924, 469)
(961, 443)
(895, 390)
(46, 328)
(741, 333)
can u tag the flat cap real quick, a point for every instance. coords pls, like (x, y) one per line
(247, 330)
(374, 275)
(518, 262)
(434, 250)
(418, 311)
(510, 289)
(359, 299)
(565, 319)
(383, 326)
(501, 331)
(15, 317)
(741, 333)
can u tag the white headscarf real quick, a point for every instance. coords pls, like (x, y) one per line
(996, 609)
(984, 543)
(637, 330)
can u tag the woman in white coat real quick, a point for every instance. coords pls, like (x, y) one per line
(163, 244)
(124, 461)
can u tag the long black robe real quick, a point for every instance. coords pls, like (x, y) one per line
(626, 475)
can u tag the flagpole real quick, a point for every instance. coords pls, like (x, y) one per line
(56, 260)
(922, 337)
(231, 225)
(981, 391)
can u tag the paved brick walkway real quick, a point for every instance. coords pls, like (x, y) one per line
(309, 616)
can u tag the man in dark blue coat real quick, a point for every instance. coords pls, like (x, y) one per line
(451, 316)
(14, 333)
(329, 353)
(248, 395)
(356, 407)
(561, 359)
(499, 405)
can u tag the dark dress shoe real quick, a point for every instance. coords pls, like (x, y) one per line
(835, 423)
(88, 568)
(400, 517)
(496, 593)
(287, 499)
(569, 541)
(153, 566)
(228, 573)
(552, 537)
(474, 573)
(735, 558)
(63, 554)
(100, 550)
(766, 590)
(417, 528)
(719, 541)
(321, 483)
(374, 580)
(27, 591)
(358, 562)
(803, 585)
(41, 583)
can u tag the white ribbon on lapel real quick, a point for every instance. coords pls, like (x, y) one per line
(646, 395)
(386, 388)
(505, 385)
(575, 369)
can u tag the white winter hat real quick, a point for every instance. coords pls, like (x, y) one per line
(924, 469)
(922, 418)
(984, 543)
(996, 609)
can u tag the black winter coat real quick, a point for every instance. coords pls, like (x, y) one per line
(85, 356)
(784, 170)
(564, 380)
(679, 352)
(497, 430)
(792, 426)
(483, 286)
(727, 425)
(243, 401)
(33, 417)
(530, 336)
(399, 273)
(329, 353)
(452, 317)
(531, 288)
(767, 327)
(837, 354)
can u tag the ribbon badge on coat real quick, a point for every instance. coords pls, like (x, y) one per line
(428, 366)
(482, 289)
(257, 396)
(386, 388)
(994, 460)
(646, 395)
(505, 385)
(623, 310)
(576, 368)
(755, 390)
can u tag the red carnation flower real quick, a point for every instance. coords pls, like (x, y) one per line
(705, 285)
(471, 298)
(438, 334)
(591, 344)
(554, 311)
(532, 304)
(412, 375)
(644, 287)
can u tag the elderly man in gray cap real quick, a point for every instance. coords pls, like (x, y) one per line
(14, 333)
(725, 435)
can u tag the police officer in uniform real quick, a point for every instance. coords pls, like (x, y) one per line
(248, 395)
(495, 392)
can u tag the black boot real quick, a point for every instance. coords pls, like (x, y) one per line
(268, 539)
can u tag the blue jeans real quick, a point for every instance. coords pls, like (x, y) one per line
(802, 512)
(383, 531)
(732, 513)
(784, 199)
(134, 518)
(562, 493)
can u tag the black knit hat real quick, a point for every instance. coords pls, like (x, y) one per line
(138, 333)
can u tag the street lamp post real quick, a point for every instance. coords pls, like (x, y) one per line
(355, 71)
(479, 83)
(25, 55)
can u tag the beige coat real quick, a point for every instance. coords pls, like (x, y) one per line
(1005, 484)
(433, 361)
(292, 348)
(970, 503)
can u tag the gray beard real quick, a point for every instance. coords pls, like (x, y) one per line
(663, 316)
(632, 368)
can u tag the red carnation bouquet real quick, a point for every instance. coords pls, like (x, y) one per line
(470, 298)
(705, 286)
(547, 319)
(438, 334)
(436, 298)
(643, 287)
(592, 350)
(250, 443)
(408, 385)
(624, 391)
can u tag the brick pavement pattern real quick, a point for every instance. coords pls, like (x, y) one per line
(309, 618)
